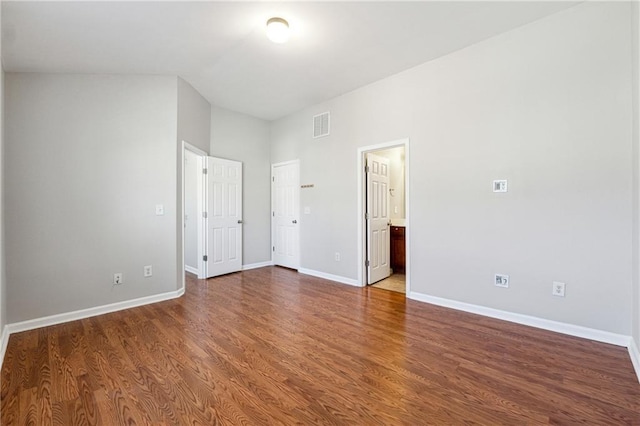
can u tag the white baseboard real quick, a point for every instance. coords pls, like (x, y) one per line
(558, 327)
(191, 269)
(90, 312)
(257, 265)
(331, 277)
(634, 353)
(4, 341)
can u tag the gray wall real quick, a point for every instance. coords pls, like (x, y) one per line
(194, 126)
(3, 267)
(636, 176)
(87, 159)
(3, 291)
(194, 116)
(547, 106)
(244, 138)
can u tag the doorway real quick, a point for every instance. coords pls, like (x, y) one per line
(383, 215)
(193, 197)
(211, 214)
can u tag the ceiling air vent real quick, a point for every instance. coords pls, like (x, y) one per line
(321, 125)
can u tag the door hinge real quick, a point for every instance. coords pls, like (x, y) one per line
(204, 214)
(204, 171)
(366, 216)
(366, 169)
(273, 178)
(366, 263)
(274, 248)
(205, 258)
(273, 214)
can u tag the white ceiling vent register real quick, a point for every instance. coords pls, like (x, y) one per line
(321, 125)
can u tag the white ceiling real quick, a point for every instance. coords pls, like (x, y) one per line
(220, 47)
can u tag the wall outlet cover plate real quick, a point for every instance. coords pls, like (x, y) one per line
(558, 289)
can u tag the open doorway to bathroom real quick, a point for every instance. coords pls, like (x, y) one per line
(384, 206)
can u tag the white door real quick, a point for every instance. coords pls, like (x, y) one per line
(377, 216)
(285, 204)
(223, 217)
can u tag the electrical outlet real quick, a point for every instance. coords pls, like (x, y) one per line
(558, 289)
(148, 271)
(501, 280)
(118, 278)
(337, 257)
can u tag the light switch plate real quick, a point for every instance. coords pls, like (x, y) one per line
(501, 280)
(500, 185)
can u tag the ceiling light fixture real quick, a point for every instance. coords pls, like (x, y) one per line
(278, 30)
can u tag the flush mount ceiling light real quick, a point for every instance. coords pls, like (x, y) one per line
(278, 30)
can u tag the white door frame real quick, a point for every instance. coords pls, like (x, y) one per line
(200, 229)
(273, 222)
(362, 232)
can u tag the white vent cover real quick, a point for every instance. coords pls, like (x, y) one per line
(321, 125)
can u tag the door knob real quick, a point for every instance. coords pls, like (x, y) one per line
(240, 221)
(294, 221)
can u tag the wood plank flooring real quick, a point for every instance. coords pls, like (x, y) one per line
(270, 346)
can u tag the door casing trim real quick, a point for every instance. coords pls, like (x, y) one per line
(187, 146)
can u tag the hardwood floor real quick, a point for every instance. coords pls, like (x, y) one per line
(269, 346)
